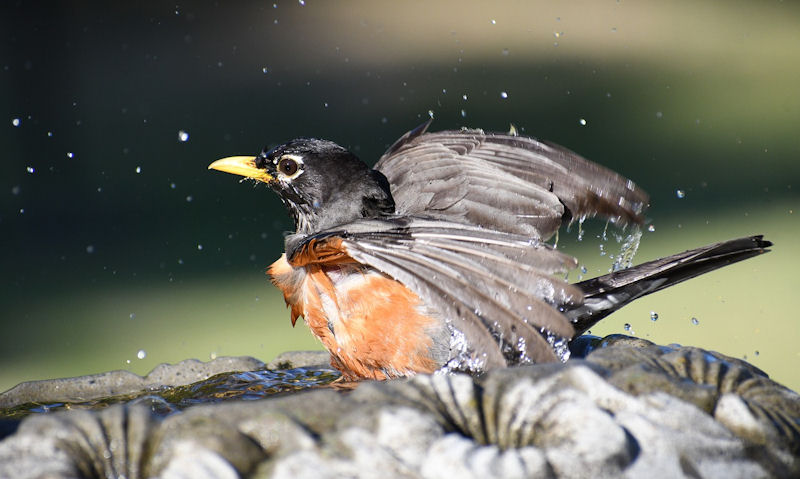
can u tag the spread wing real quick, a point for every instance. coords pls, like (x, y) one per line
(496, 290)
(503, 182)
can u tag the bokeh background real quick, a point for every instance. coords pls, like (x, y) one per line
(119, 250)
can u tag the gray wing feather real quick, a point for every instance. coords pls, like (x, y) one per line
(503, 182)
(497, 288)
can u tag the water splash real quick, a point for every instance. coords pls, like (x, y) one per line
(580, 227)
(629, 248)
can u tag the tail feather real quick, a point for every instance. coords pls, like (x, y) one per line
(606, 294)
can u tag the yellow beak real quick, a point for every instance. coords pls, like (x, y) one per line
(243, 166)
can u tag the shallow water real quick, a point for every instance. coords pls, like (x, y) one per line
(248, 385)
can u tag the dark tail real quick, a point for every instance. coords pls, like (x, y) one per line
(606, 294)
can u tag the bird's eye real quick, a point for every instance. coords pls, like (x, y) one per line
(288, 166)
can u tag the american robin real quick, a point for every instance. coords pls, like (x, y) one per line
(435, 259)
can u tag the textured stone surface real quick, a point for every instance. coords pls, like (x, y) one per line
(300, 359)
(629, 409)
(115, 383)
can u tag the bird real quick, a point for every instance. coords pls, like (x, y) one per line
(436, 260)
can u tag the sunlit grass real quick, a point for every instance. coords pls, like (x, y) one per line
(91, 332)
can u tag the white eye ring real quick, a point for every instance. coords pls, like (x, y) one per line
(289, 166)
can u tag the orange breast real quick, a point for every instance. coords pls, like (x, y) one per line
(373, 326)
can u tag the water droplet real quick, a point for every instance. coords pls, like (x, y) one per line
(430, 113)
(141, 354)
(127, 361)
(189, 199)
(50, 134)
(15, 190)
(199, 247)
(463, 113)
(30, 169)
(627, 326)
(659, 115)
(505, 52)
(613, 29)
(756, 353)
(695, 321)
(132, 316)
(325, 104)
(558, 34)
(503, 95)
(583, 269)
(653, 316)
(173, 186)
(302, 2)
(582, 122)
(90, 249)
(183, 136)
(138, 169)
(70, 154)
(651, 228)
(680, 193)
(493, 21)
(464, 97)
(16, 121)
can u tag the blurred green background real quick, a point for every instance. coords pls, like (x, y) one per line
(116, 242)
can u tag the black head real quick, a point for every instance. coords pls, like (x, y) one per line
(322, 184)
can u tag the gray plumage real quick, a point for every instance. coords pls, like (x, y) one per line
(471, 212)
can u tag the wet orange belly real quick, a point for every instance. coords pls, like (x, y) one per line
(373, 326)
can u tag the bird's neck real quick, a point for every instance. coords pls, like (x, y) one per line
(368, 198)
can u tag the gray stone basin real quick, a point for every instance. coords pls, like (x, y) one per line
(624, 407)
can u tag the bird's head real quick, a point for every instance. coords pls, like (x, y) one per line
(322, 184)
